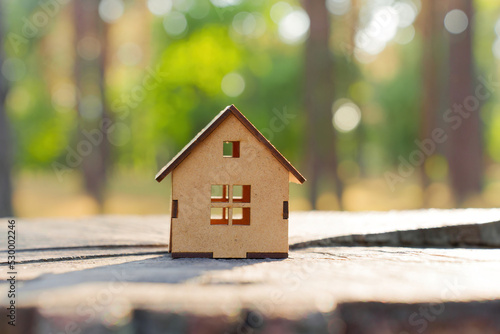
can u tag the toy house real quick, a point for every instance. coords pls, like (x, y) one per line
(229, 193)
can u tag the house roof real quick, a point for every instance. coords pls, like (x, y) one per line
(230, 110)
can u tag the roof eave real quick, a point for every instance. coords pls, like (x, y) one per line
(205, 132)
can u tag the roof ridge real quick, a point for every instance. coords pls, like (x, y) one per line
(210, 127)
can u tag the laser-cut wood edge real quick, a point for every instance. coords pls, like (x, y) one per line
(178, 255)
(267, 255)
(210, 255)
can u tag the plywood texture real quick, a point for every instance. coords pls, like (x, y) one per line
(331, 228)
(231, 110)
(127, 282)
(111, 230)
(206, 166)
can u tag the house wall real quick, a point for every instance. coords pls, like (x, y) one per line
(256, 166)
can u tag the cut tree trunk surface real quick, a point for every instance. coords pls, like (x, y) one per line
(346, 273)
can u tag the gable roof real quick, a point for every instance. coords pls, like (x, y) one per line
(230, 110)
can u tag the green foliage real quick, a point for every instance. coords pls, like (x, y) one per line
(189, 94)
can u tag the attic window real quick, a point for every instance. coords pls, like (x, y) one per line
(231, 149)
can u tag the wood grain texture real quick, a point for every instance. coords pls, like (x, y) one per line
(116, 231)
(113, 278)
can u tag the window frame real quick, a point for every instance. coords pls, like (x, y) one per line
(235, 148)
(228, 202)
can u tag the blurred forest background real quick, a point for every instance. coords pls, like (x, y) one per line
(381, 104)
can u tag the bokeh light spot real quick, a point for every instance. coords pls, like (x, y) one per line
(233, 84)
(338, 7)
(13, 69)
(249, 24)
(380, 29)
(407, 13)
(225, 3)
(175, 23)
(456, 21)
(293, 28)
(347, 117)
(111, 10)
(279, 10)
(159, 7)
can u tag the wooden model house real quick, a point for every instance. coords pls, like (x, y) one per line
(229, 193)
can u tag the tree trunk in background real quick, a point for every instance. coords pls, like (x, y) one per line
(319, 94)
(90, 69)
(430, 75)
(5, 140)
(465, 151)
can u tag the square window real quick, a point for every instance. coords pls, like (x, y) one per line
(237, 213)
(231, 149)
(218, 216)
(241, 216)
(220, 193)
(241, 193)
(237, 192)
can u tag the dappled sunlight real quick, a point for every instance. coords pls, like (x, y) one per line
(456, 21)
(294, 26)
(339, 200)
(346, 117)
